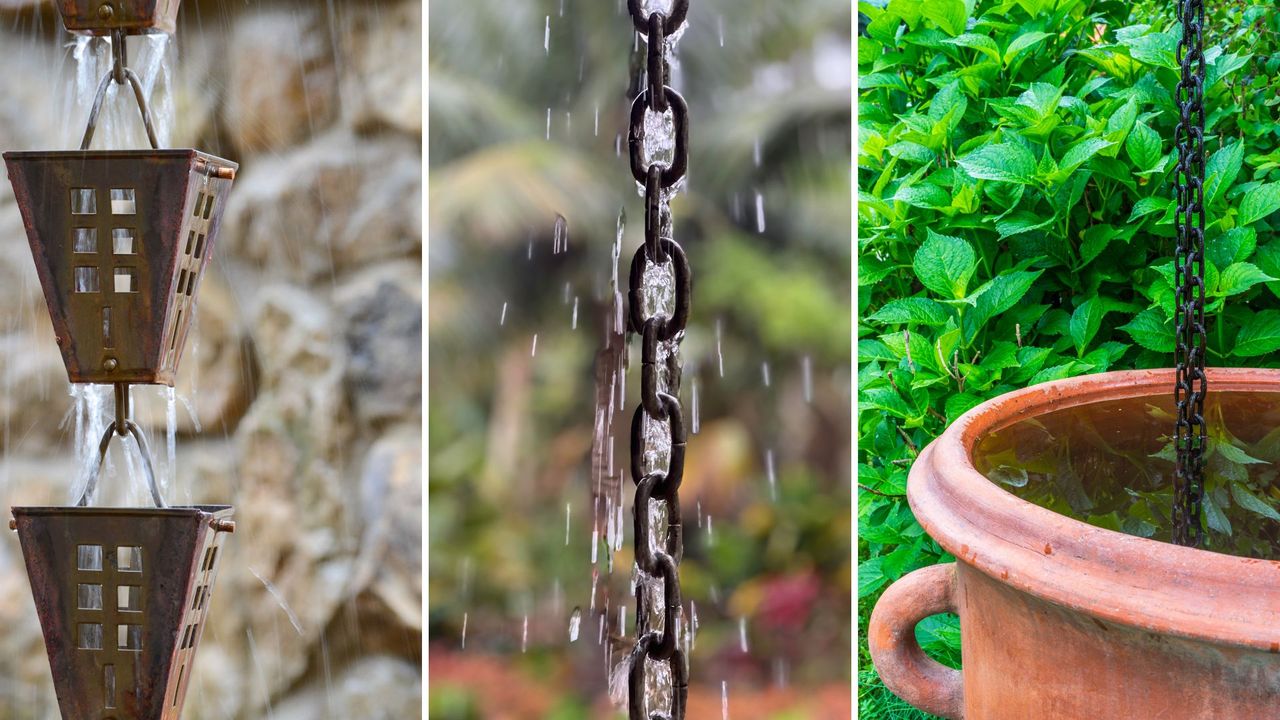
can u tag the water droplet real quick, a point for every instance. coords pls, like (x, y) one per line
(696, 407)
(760, 213)
(574, 325)
(546, 37)
(764, 373)
(769, 472)
(464, 631)
(524, 636)
(724, 700)
(548, 123)
(719, 346)
(560, 236)
(575, 622)
(567, 512)
(533, 352)
(502, 319)
(742, 634)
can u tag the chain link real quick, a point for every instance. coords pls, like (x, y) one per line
(661, 332)
(1189, 354)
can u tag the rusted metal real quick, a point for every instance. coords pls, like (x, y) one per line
(121, 240)
(1063, 619)
(132, 17)
(122, 596)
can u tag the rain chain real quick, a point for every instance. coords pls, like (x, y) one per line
(658, 271)
(1190, 388)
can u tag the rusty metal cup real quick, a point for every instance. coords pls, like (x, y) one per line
(121, 240)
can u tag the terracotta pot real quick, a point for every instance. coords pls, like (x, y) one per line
(1060, 619)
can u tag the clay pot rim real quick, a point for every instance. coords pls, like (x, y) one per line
(1117, 578)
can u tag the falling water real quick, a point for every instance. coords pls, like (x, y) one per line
(575, 622)
(771, 474)
(119, 126)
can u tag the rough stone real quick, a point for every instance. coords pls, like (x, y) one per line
(282, 83)
(380, 687)
(338, 204)
(390, 561)
(381, 68)
(382, 313)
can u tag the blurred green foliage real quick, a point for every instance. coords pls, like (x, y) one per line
(510, 432)
(1016, 223)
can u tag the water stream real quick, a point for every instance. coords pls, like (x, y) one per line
(120, 126)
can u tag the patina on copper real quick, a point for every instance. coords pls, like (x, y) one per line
(121, 239)
(122, 595)
(134, 17)
(1060, 619)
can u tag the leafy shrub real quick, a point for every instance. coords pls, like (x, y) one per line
(1016, 219)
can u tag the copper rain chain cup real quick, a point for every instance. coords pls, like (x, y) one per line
(120, 240)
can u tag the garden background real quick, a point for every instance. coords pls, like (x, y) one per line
(1015, 225)
(528, 112)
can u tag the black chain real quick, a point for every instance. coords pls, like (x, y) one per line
(661, 331)
(1189, 391)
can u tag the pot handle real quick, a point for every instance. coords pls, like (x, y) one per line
(891, 637)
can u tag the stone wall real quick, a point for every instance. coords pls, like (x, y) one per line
(304, 378)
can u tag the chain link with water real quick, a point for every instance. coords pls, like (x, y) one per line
(1190, 387)
(658, 302)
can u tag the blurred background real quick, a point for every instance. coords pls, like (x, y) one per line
(300, 393)
(528, 113)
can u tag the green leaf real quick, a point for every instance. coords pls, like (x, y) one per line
(981, 43)
(1121, 121)
(1005, 291)
(1022, 43)
(923, 195)
(1259, 203)
(1080, 153)
(1221, 171)
(1006, 162)
(1236, 455)
(1096, 239)
(1239, 277)
(1253, 503)
(911, 311)
(1144, 146)
(950, 15)
(1213, 515)
(1148, 205)
(1232, 246)
(959, 404)
(872, 271)
(1086, 321)
(1268, 258)
(1020, 223)
(1156, 49)
(1259, 336)
(944, 264)
(1151, 330)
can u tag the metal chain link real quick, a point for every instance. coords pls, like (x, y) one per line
(660, 332)
(1189, 355)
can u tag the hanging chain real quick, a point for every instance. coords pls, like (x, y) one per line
(1189, 391)
(658, 299)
